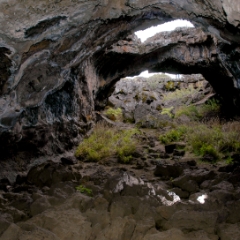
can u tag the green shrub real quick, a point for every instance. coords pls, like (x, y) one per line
(230, 143)
(205, 140)
(84, 190)
(190, 111)
(173, 135)
(169, 86)
(155, 80)
(206, 150)
(211, 105)
(229, 160)
(212, 139)
(167, 111)
(179, 94)
(114, 114)
(210, 109)
(126, 145)
(108, 141)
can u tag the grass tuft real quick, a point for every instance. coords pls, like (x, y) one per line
(189, 111)
(207, 140)
(114, 114)
(174, 135)
(208, 110)
(167, 111)
(84, 190)
(179, 94)
(108, 141)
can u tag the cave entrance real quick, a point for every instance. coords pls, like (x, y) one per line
(186, 50)
(152, 99)
(165, 86)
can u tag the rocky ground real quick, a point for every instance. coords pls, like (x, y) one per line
(157, 196)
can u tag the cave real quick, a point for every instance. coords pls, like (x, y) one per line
(60, 61)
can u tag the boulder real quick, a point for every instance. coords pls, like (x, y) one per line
(49, 173)
(167, 171)
(224, 185)
(193, 221)
(233, 209)
(147, 117)
(175, 146)
(180, 192)
(186, 184)
(68, 160)
(229, 231)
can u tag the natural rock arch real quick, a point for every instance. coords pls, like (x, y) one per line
(51, 53)
(186, 51)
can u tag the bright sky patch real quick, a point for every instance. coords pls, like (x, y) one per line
(168, 26)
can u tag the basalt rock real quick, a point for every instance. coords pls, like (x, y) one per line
(55, 56)
(124, 203)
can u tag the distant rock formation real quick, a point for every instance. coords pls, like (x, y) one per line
(143, 100)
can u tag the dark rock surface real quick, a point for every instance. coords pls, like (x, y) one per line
(118, 202)
(55, 56)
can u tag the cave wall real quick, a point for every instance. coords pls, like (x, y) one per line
(49, 78)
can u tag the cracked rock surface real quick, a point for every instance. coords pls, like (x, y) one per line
(91, 201)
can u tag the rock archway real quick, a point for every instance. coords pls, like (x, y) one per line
(186, 51)
(55, 56)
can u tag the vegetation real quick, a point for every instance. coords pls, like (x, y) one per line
(114, 114)
(173, 135)
(84, 190)
(108, 141)
(204, 140)
(156, 79)
(178, 93)
(167, 111)
(210, 109)
(212, 141)
(144, 97)
(189, 111)
(169, 86)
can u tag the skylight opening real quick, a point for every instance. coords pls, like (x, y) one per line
(146, 74)
(166, 27)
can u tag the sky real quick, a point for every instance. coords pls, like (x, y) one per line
(169, 26)
(149, 32)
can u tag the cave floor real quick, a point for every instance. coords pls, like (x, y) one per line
(156, 196)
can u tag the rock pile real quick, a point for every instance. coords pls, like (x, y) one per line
(91, 201)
